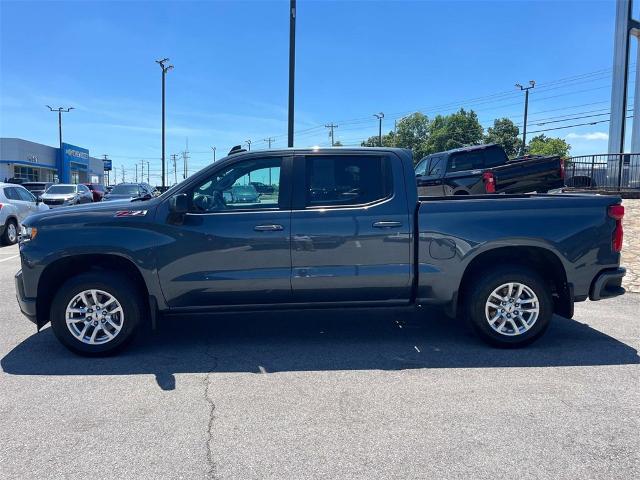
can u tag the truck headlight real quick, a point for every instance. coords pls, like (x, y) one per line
(28, 233)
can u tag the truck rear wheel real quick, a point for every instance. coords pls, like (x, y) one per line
(96, 313)
(510, 307)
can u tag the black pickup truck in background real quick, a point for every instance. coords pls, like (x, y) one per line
(486, 169)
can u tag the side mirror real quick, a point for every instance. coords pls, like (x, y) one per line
(179, 204)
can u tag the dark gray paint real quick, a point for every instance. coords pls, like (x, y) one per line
(321, 257)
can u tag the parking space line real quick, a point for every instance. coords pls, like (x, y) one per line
(9, 258)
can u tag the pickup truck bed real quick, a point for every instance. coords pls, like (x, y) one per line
(484, 169)
(341, 228)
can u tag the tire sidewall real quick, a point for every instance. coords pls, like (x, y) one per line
(5, 236)
(117, 286)
(480, 293)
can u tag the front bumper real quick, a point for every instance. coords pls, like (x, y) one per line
(607, 284)
(27, 305)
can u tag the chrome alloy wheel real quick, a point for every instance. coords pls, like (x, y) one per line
(12, 232)
(512, 309)
(94, 317)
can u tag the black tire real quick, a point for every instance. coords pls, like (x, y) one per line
(116, 285)
(479, 294)
(6, 236)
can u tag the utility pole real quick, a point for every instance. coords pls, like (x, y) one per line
(165, 69)
(248, 142)
(136, 172)
(214, 154)
(379, 116)
(175, 171)
(331, 126)
(115, 176)
(147, 171)
(292, 67)
(122, 168)
(185, 160)
(532, 84)
(269, 141)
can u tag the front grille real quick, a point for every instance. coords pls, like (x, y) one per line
(53, 202)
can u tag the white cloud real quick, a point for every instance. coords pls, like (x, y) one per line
(588, 136)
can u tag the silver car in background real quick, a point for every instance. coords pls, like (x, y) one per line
(63, 194)
(16, 204)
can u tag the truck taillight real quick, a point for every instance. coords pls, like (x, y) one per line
(489, 182)
(617, 213)
(562, 168)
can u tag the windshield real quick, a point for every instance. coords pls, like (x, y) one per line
(34, 186)
(125, 190)
(243, 189)
(62, 189)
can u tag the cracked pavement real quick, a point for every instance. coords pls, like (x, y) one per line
(353, 394)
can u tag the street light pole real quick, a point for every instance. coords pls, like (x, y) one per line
(165, 69)
(292, 67)
(214, 154)
(379, 116)
(248, 142)
(532, 84)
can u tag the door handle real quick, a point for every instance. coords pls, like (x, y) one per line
(384, 224)
(268, 228)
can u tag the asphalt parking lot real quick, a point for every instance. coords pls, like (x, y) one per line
(353, 394)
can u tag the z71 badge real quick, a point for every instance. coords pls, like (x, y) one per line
(130, 213)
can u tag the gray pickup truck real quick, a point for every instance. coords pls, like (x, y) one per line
(337, 228)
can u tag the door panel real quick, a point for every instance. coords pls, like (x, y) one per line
(343, 252)
(234, 248)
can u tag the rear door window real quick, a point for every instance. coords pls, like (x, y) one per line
(25, 195)
(343, 180)
(435, 166)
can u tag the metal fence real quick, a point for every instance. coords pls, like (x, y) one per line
(609, 171)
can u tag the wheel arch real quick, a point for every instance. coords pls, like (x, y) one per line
(61, 270)
(539, 259)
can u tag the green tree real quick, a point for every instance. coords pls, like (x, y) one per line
(543, 145)
(459, 129)
(411, 132)
(388, 140)
(337, 143)
(505, 133)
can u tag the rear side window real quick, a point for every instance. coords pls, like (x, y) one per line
(466, 161)
(11, 193)
(494, 157)
(347, 180)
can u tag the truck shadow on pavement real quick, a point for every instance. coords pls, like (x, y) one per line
(267, 343)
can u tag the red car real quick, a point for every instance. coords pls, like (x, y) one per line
(97, 191)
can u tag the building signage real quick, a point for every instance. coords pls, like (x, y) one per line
(71, 158)
(107, 165)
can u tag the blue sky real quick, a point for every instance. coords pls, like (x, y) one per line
(353, 59)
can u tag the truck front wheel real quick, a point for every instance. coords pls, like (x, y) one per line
(510, 307)
(95, 313)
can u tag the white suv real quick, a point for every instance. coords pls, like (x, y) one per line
(16, 204)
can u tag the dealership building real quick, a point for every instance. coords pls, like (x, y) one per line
(34, 162)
